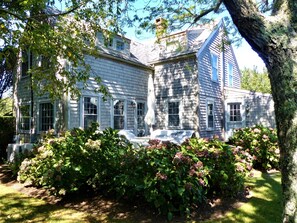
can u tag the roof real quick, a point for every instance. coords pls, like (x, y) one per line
(122, 56)
(175, 45)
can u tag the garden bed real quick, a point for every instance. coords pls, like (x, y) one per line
(105, 208)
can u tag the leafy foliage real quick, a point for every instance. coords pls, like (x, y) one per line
(254, 80)
(172, 178)
(59, 40)
(7, 130)
(261, 143)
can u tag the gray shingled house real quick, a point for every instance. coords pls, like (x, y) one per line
(197, 87)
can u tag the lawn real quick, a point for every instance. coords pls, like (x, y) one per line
(263, 206)
(17, 207)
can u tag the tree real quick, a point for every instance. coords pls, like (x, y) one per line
(57, 37)
(253, 80)
(7, 60)
(270, 27)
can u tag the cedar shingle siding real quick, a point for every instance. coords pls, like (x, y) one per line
(181, 66)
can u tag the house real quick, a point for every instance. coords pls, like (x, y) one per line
(196, 81)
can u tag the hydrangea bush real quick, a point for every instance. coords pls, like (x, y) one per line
(171, 178)
(261, 143)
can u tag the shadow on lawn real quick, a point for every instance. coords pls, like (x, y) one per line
(17, 208)
(265, 204)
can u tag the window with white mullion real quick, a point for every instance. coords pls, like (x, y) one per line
(235, 113)
(173, 113)
(46, 116)
(24, 117)
(214, 67)
(140, 118)
(210, 115)
(90, 105)
(119, 114)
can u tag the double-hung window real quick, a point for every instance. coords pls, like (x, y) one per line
(46, 116)
(90, 105)
(24, 117)
(214, 67)
(210, 115)
(140, 118)
(119, 114)
(230, 74)
(173, 114)
(235, 114)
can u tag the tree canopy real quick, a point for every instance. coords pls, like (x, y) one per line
(57, 38)
(254, 80)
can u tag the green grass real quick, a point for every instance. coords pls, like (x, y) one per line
(265, 204)
(16, 207)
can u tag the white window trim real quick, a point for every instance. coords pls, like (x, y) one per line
(217, 66)
(242, 108)
(116, 45)
(113, 101)
(135, 114)
(180, 113)
(210, 101)
(82, 113)
(38, 114)
(230, 75)
(241, 112)
(20, 116)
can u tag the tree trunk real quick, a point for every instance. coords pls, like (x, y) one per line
(283, 75)
(274, 39)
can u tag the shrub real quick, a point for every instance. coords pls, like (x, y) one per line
(7, 130)
(261, 143)
(226, 171)
(72, 161)
(169, 177)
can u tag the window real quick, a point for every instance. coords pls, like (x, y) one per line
(24, 117)
(140, 119)
(210, 114)
(46, 116)
(120, 45)
(230, 74)
(119, 114)
(27, 61)
(214, 68)
(90, 111)
(235, 115)
(173, 113)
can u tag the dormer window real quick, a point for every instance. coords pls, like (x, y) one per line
(120, 45)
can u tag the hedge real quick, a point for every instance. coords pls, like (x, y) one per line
(7, 131)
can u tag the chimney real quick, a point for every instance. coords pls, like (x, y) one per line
(161, 27)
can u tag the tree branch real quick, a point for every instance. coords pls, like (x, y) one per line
(251, 24)
(215, 8)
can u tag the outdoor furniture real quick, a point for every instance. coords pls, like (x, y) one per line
(136, 141)
(175, 136)
(16, 148)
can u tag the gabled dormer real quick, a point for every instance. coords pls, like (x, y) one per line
(115, 43)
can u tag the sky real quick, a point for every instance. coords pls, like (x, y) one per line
(246, 57)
